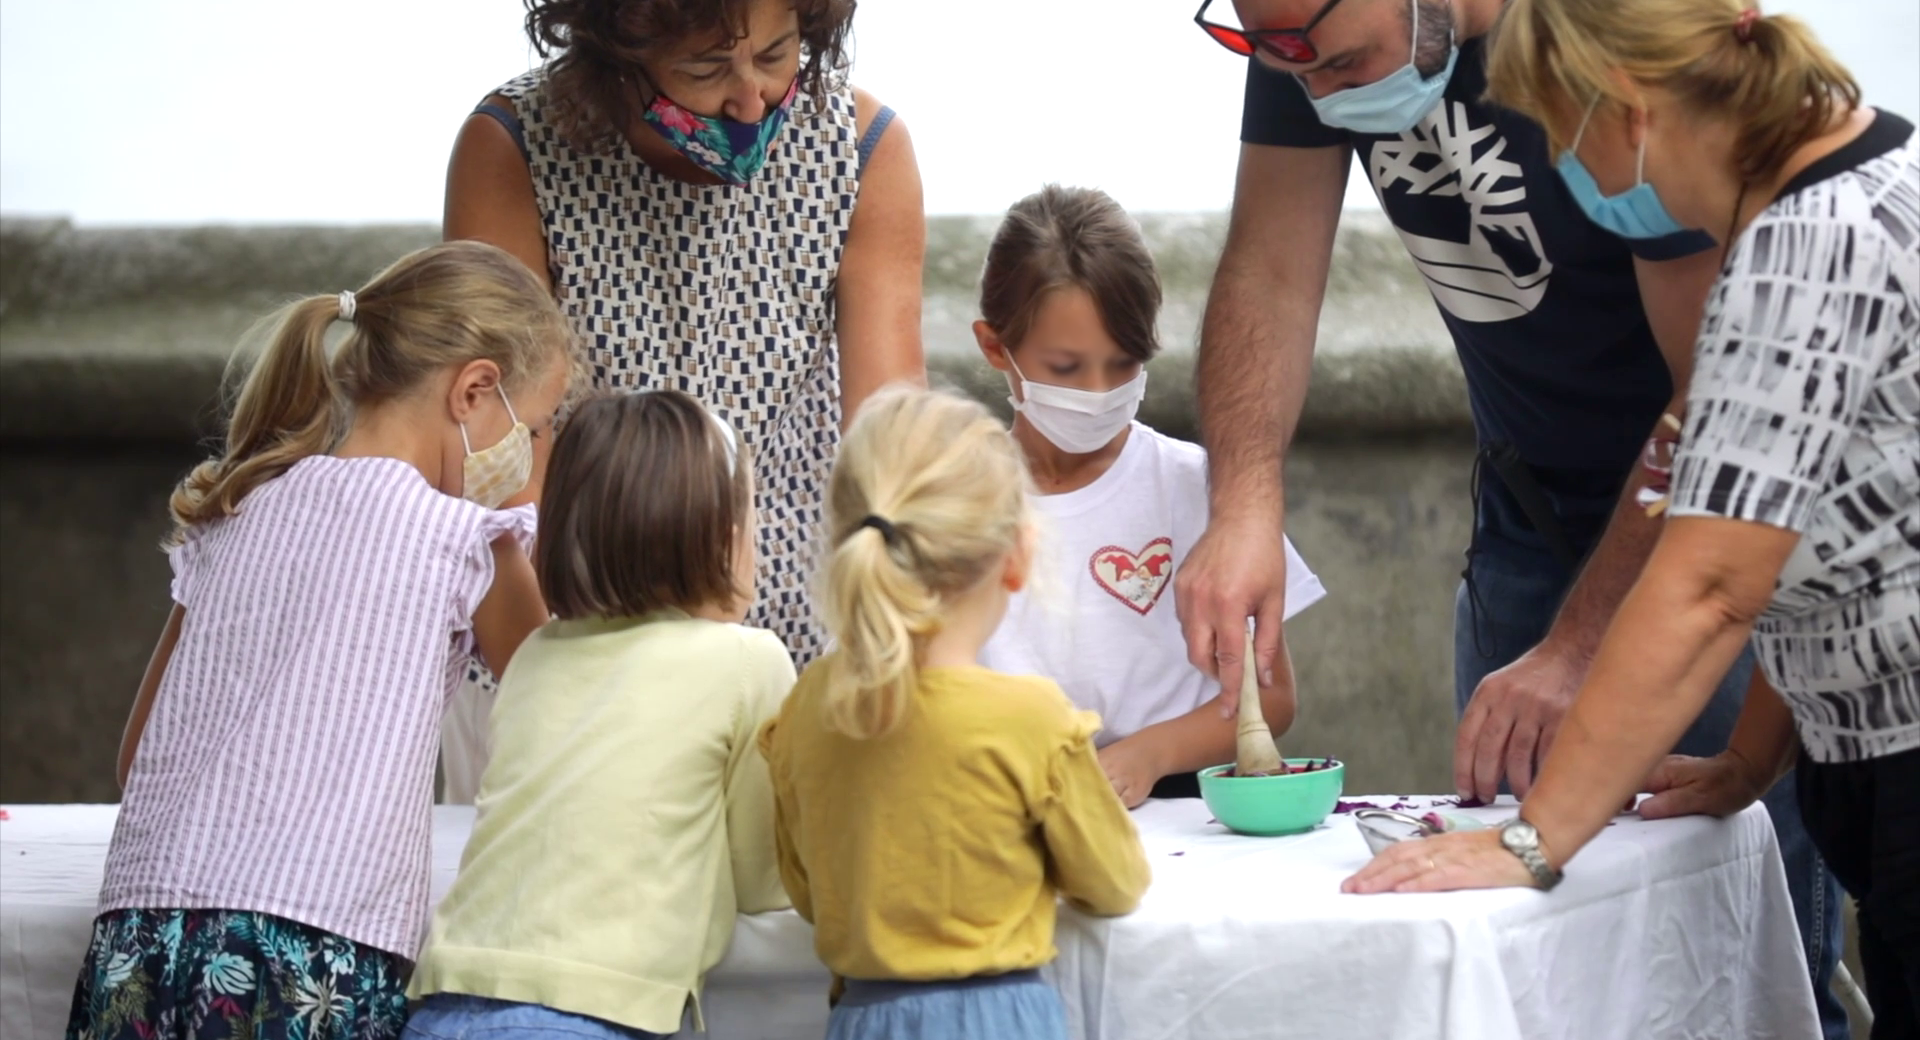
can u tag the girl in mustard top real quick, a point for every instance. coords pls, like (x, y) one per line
(928, 810)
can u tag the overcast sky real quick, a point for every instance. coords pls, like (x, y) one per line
(188, 111)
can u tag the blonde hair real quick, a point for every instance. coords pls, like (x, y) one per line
(447, 304)
(1768, 76)
(946, 490)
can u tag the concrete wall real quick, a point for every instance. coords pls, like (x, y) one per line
(113, 342)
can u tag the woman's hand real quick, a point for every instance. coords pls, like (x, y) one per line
(1719, 786)
(1132, 766)
(1443, 863)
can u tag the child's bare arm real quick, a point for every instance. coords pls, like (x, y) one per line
(149, 685)
(1202, 737)
(512, 608)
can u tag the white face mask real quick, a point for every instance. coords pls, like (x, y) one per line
(1078, 422)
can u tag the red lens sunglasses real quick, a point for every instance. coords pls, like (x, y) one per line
(1290, 45)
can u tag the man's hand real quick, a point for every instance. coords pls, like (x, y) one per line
(1132, 767)
(1719, 786)
(1512, 720)
(1237, 570)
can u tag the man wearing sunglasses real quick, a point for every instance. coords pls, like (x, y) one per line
(1574, 341)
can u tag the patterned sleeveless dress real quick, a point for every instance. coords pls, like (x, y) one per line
(725, 292)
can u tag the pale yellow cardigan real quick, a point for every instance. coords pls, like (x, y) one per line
(624, 819)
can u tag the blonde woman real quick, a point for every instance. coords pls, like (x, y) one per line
(928, 810)
(1795, 484)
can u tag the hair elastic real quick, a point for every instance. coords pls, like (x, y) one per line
(889, 533)
(1743, 26)
(346, 305)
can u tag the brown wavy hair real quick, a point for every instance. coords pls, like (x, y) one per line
(595, 44)
(447, 304)
(1767, 75)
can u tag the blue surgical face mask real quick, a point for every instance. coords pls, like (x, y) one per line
(1634, 213)
(1394, 104)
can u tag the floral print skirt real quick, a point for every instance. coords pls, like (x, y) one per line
(220, 974)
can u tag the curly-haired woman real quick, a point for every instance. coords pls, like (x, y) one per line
(718, 212)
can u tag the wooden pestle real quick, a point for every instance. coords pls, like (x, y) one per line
(1257, 753)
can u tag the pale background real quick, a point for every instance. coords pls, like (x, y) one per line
(249, 111)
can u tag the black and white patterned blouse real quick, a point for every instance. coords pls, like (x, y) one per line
(1804, 413)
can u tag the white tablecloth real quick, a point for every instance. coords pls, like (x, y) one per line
(1673, 929)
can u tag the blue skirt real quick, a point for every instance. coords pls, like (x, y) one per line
(1019, 1005)
(455, 1016)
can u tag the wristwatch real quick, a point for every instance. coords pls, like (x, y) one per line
(1520, 838)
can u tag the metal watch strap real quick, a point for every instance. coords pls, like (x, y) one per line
(1544, 876)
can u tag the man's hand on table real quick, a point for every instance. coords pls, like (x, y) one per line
(1237, 570)
(1132, 768)
(1512, 720)
(1719, 786)
(1443, 863)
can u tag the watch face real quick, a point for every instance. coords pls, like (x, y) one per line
(1519, 835)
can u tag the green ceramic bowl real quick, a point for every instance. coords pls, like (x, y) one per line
(1266, 806)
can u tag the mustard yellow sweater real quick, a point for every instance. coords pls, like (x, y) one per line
(623, 820)
(936, 850)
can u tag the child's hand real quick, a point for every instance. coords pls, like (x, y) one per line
(1132, 768)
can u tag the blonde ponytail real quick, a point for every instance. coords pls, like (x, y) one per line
(288, 408)
(1789, 92)
(927, 497)
(441, 306)
(1768, 77)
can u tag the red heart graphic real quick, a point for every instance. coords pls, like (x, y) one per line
(1134, 578)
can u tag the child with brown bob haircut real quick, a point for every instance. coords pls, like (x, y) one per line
(625, 816)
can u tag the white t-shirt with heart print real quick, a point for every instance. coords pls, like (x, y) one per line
(1098, 617)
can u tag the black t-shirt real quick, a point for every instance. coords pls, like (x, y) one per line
(1542, 303)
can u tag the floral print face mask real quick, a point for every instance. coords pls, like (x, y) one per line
(727, 148)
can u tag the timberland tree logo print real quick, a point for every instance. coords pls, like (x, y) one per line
(1134, 578)
(1499, 271)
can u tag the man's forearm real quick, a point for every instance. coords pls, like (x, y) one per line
(1608, 575)
(1256, 356)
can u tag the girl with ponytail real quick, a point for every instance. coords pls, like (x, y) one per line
(927, 810)
(1791, 485)
(334, 567)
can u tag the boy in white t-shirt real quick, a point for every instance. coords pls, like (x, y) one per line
(1070, 300)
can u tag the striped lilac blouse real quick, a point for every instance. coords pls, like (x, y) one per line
(287, 767)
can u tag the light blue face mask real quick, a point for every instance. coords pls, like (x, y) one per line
(1394, 104)
(1634, 213)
